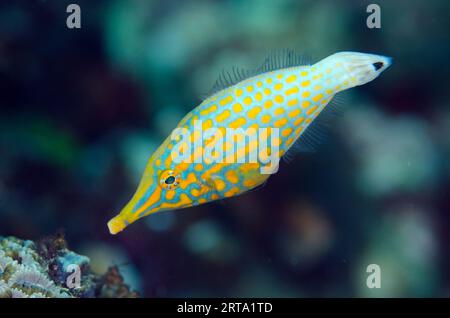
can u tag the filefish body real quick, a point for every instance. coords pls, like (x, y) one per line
(283, 100)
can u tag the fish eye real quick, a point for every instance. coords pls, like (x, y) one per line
(169, 180)
(377, 65)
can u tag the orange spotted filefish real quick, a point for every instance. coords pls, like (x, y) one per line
(283, 95)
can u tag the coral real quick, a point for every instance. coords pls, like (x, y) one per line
(113, 285)
(48, 269)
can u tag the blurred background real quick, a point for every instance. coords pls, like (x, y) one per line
(83, 109)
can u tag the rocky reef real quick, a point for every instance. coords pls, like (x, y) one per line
(48, 269)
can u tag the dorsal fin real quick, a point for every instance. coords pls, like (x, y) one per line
(276, 60)
(284, 58)
(316, 132)
(229, 78)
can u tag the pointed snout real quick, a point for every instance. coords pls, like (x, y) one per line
(116, 225)
(361, 68)
(143, 203)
